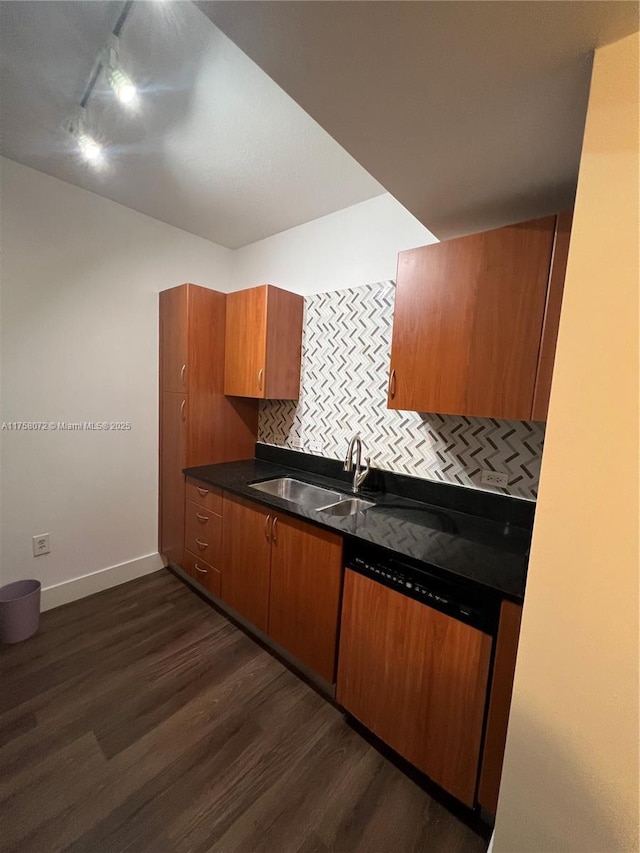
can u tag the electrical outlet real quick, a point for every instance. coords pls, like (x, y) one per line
(494, 478)
(41, 544)
(315, 445)
(295, 444)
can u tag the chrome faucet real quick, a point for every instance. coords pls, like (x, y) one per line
(359, 474)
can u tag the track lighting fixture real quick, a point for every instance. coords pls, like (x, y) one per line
(123, 88)
(122, 85)
(90, 149)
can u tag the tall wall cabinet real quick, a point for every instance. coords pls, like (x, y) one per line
(198, 424)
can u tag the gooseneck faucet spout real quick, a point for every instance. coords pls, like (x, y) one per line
(359, 474)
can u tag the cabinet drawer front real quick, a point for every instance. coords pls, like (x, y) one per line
(203, 533)
(206, 575)
(205, 496)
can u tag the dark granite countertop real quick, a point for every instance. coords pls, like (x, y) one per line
(482, 551)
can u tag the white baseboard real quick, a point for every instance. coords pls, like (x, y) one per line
(72, 590)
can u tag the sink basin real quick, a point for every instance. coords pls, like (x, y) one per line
(297, 492)
(348, 506)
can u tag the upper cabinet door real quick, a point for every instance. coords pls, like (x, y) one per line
(468, 322)
(284, 344)
(174, 339)
(263, 343)
(246, 343)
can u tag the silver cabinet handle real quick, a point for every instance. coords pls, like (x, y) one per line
(202, 544)
(183, 373)
(202, 518)
(260, 376)
(203, 492)
(392, 384)
(274, 530)
(266, 527)
(202, 571)
(183, 410)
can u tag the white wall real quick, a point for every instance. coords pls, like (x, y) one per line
(79, 307)
(357, 245)
(80, 277)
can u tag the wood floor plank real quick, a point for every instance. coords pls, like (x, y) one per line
(140, 719)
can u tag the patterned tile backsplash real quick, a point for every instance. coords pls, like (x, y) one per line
(345, 363)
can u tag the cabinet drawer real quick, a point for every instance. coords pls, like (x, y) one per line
(202, 572)
(205, 496)
(203, 533)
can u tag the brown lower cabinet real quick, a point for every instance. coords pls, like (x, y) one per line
(417, 679)
(284, 576)
(246, 559)
(504, 668)
(414, 676)
(203, 535)
(304, 601)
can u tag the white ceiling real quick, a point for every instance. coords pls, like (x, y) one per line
(216, 148)
(470, 113)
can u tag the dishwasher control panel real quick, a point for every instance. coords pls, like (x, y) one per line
(455, 599)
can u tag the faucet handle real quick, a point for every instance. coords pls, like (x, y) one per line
(362, 475)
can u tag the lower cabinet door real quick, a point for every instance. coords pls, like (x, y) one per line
(417, 679)
(304, 604)
(246, 559)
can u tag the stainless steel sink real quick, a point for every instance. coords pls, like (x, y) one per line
(348, 506)
(297, 492)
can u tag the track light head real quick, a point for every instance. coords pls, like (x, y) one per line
(90, 149)
(123, 88)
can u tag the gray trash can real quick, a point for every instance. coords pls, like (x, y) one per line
(19, 610)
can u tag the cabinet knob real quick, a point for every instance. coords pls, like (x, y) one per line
(183, 410)
(202, 544)
(202, 518)
(266, 527)
(183, 373)
(260, 377)
(274, 530)
(203, 492)
(392, 384)
(202, 571)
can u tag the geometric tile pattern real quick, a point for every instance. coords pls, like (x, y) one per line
(345, 364)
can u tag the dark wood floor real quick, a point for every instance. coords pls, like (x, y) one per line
(141, 719)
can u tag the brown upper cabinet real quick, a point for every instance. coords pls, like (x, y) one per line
(476, 322)
(263, 343)
(198, 424)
